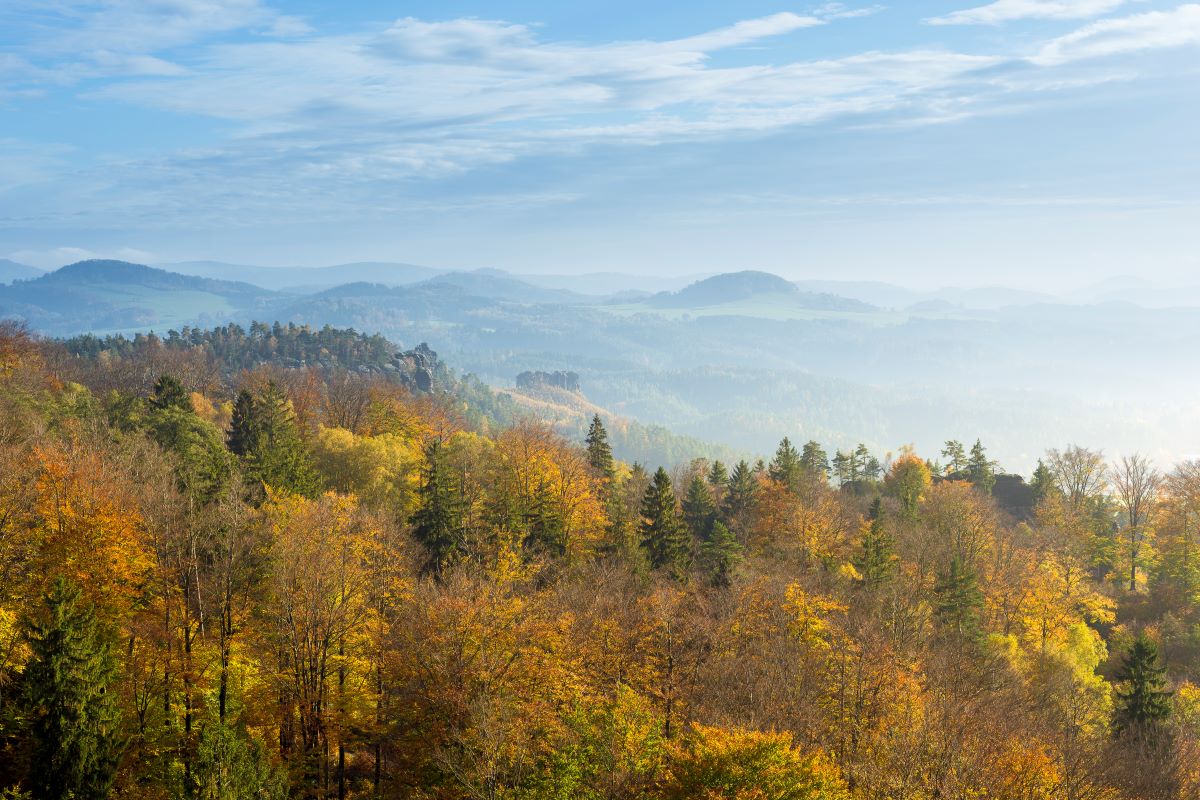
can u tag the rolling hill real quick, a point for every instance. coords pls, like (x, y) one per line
(12, 271)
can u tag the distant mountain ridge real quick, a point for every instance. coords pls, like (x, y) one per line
(12, 271)
(732, 287)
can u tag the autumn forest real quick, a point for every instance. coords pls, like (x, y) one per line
(285, 563)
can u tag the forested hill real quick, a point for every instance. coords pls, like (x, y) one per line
(315, 582)
(216, 357)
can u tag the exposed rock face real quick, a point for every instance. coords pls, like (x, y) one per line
(558, 379)
(417, 367)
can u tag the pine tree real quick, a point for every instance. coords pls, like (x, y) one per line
(699, 512)
(955, 455)
(664, 536)
(437, 522)
(74, 716)
(785, 466)
(980, 471)
(1143, 701)
(876, 560)
(599, 452)
(959, 600)
(815, 461)
(719, 554)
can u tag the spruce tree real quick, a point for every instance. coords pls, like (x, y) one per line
(718, 476)
(437, 522)
(74, 717)
(1042, 482)
(980, 471)
(959, 600)
(264, 434)
(170, 393)
(1142, 701)
(599, 452)
(876, 559)
(664, 536)
(739, 496)
(699, 512)
(719, 554)
(785, 466)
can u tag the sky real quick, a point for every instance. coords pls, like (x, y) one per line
(1035, 143)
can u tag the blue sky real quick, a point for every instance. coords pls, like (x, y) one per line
(1028, 142)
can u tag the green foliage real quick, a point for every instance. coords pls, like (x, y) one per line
(264, 435)
(981, 471)
(815, 461)
(876, 559)
(719, 554)
(599, 452)
(437, 522)
(959, 600)
(1143, 702)
(786, 467)
(664, 536)
(230, 765)
(75, 718)
(699, 511)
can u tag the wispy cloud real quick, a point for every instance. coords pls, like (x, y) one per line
(1153, 30)
(1012, 10)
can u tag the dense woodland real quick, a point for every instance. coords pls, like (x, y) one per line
(226, 575)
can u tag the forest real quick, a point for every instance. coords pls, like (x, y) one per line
(263, 564)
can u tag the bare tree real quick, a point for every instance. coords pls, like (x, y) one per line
(1079, 472)
(1137, 484)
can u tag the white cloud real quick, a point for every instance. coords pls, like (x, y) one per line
(1012, 10)
(1154, 30)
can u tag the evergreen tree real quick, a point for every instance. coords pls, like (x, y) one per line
(876, 560)
(203, 467)
(955, 455)
(599, 452)
(959, 600)
(815, 461)
(438, 521)
(865, 466)
(264, 434)
(718, 476)
(699, 512)
(1143, 701)
(547, 530)
(169, 393)
(739, 496)
(785, 466)
(1042, 483)
(664, 536)
(719, 554)
(74, 717)
(980, 471)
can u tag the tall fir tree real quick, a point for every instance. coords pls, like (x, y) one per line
(599, 452)
(664, 536)
(438, 521)
(264, 434)
(876, 559)
(1143, 701)
(1042, 482)
(75, 720)
(739, 497)
(719, 554)
(785, 467)
(699, 511)
(980, 470)
(959, 603)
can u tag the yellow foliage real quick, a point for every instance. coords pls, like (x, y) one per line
(811, 616)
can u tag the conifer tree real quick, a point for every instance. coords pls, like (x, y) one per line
(959, 600)
(980, 471)
(74, 716)
(955, 455)
(599, 451)
(739, 496)
(699, 512)
(876, 560)
(785, 467)
(1042, 483)
(263, 433)
(815, 461)
(718, 476)
(1142, 701)
(169, 393)
(719, 554)
(664, 536)
(437, 522)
